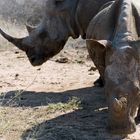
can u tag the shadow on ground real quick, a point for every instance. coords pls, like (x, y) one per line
(36, 99)
(88, 123)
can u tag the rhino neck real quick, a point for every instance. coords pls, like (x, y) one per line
(86, 10)
(125, 27)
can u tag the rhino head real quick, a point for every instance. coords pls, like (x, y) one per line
(122, 76)
(122, 82)
(50, 36)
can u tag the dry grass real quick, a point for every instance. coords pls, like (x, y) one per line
(72, 104)
(22, 10)
(14, 122)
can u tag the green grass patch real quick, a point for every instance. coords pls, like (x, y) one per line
(73, 103)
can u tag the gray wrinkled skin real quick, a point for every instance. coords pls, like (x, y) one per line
(114, 46)
(62, 19)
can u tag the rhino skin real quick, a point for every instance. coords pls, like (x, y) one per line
(114, 45)
(62, 19)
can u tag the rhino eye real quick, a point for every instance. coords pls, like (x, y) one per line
(43, 35)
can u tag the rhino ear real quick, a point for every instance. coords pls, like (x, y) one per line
(101, 44)
(99, 49)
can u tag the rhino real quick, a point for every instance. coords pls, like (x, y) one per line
(114, 45)
(62, 19)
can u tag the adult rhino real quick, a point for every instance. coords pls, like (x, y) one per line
(62, 19)
(114, 46)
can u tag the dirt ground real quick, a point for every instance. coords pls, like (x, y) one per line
(27, 92)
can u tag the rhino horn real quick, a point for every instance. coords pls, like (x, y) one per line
(117, 105)
(16, 41)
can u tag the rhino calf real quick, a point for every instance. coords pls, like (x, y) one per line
(114, 46)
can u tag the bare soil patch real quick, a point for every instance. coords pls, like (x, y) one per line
(56, 101)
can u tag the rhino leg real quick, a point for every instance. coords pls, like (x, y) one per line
(98, 58)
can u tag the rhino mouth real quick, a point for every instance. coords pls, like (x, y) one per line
(37, 61)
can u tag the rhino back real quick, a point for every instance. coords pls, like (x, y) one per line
(103, 24)
(86, 10)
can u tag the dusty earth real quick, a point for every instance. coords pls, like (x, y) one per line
(34, 99)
